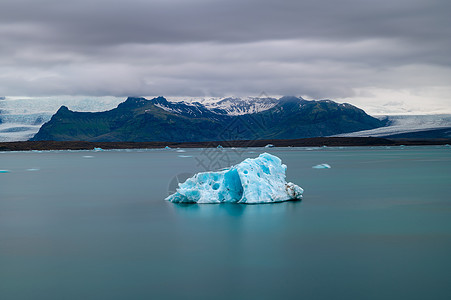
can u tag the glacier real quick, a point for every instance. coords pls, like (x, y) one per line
(257, 180)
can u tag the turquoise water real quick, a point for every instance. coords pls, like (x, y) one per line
(94, 225)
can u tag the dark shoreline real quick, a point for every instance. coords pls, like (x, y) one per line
(307, 142)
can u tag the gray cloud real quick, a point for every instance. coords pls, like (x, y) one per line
(322, 49)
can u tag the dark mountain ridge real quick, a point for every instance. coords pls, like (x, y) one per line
(141, 120)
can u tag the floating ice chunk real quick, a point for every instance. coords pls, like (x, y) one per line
(167, 147)
(88, 156)
(184, 156)
(97, 149)
(220, 147)
(181, 151)
(258, 180)
(4, 171)
(269, 146)
(32, 170)
(321, 166)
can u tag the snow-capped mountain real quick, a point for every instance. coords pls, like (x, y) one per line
(140, 119)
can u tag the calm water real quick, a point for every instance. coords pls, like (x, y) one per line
(94, 225)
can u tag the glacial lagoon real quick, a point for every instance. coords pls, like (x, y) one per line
(94, 225)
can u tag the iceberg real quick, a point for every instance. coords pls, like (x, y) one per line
(322, 166)
(258, 180)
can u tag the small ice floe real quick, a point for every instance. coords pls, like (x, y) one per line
(258, 180)
(167, 147)
(321, 166)
(269, 146)
(220, 147)
(32, 170)
(181, 151)
(98, 149)
(184, 156)
(4, 171)
(88, 156)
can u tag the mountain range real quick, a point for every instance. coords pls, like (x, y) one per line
(138, 119)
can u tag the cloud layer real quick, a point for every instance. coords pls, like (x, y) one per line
(382, 55)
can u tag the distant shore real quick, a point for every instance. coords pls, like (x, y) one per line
(307, 142)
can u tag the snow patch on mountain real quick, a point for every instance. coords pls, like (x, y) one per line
(242, 106)
(232, 106)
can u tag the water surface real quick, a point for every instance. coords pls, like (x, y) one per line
(94, 225)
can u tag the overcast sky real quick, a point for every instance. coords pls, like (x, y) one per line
(384, 56)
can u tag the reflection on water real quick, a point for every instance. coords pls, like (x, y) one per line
(235, 210)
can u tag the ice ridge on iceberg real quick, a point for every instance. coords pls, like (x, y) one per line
(258, 180)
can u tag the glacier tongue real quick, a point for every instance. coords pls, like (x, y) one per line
(258, 180)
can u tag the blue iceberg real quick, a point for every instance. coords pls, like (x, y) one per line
(321, 166)
(258, 180)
